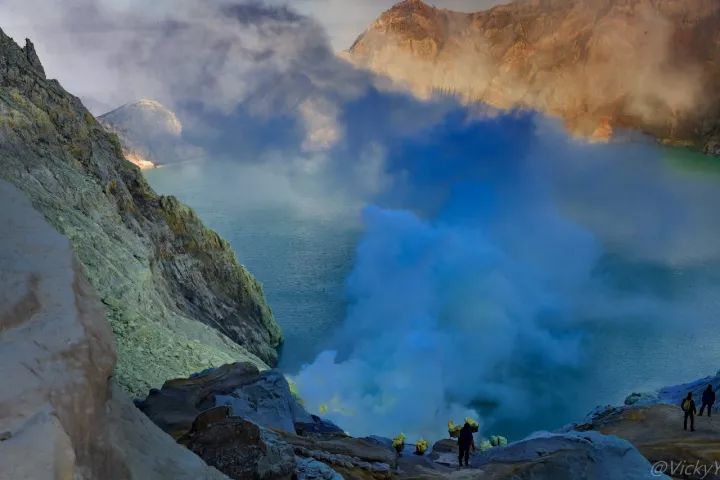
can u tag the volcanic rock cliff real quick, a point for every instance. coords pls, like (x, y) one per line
(650, 65)
(177, 299)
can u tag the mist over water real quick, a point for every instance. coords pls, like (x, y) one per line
(506, 272)
(528, 278)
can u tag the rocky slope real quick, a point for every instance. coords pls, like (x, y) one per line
(150, 134)
(177, 299)
(247, 424)
(60, 418)
(651, 65)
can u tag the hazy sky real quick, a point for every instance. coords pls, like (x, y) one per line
(82, 42)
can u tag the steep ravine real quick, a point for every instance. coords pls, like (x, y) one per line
(177, 299)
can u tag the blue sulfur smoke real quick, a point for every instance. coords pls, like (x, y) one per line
(458, 299)
(504, 268)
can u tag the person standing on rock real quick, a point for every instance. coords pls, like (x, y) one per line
(688, 406)
(708, 399)
(465, 443)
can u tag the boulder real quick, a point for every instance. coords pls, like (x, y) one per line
(210, 416)
(243, 450)
(570, 456)
(262, 397)
(318, 426)
(240, 420)
(445, 452)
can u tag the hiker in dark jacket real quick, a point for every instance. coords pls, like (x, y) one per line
(465, 443)
(688, 406)
(708, 399)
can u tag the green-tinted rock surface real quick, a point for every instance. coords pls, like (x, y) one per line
(177, 299)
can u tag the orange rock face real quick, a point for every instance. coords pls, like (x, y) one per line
(599, 65)
(138, 159)
(604, 131)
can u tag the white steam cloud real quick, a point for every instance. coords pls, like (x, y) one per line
(185, 53)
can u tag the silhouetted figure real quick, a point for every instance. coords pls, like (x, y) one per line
(688, 406)
(465, 442)
(708, 399)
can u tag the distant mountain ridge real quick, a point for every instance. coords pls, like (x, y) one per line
(150, 133)
(649, 65)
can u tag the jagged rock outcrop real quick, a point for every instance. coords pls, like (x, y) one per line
(262, 397)
(243, 450)
(177, 299)
(33, 58)
(60, 418)
(150, 133)
(651, 65)
(237, 408)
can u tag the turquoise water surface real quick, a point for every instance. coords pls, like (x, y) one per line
(300, 258)
(304, 255)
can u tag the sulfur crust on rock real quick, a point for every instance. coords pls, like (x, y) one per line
(177, 299)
